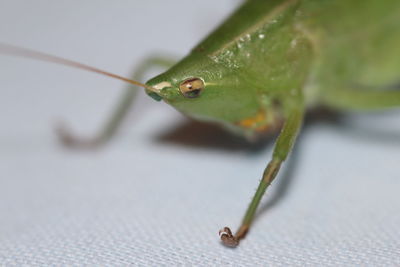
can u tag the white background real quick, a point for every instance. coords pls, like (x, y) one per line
(159, 192)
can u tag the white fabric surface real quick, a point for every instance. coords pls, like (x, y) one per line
(155, 197)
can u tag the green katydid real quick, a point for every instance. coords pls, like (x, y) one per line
(270, 62)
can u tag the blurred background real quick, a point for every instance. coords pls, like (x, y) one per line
(160, 191)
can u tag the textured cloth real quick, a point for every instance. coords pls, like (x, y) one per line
(158, 194)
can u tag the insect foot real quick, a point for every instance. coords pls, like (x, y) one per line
(69, 140)
(227, 238)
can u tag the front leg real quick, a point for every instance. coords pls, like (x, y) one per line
(110, 127)
(283, 146)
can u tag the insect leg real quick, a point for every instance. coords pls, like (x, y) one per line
(116, 118)
(363, 98)
(283, 146)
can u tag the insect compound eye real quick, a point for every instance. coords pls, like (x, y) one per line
(191, 88)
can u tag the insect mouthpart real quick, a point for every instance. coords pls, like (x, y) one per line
(154, 95)
(156, 90)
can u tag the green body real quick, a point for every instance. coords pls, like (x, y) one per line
(266, 65)
(274, 59)
(269, 55)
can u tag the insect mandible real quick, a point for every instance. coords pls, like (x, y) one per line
(270, 62)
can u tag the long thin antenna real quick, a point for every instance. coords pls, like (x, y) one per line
(28, 53)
